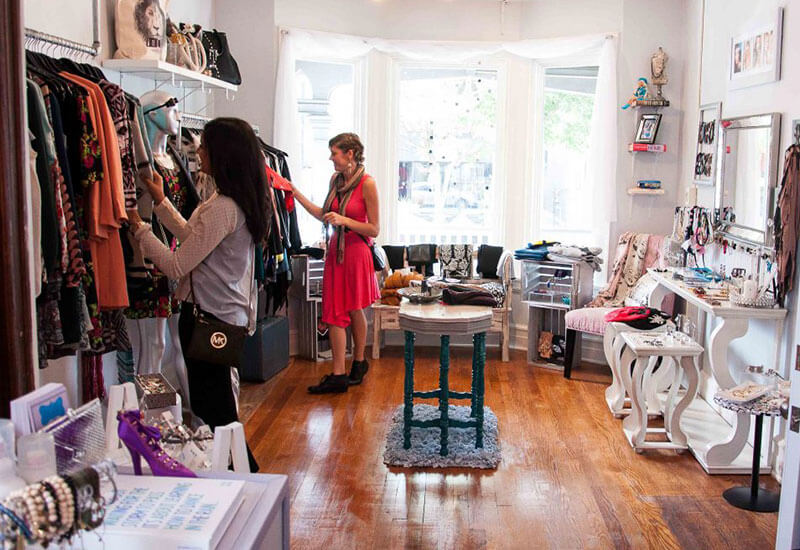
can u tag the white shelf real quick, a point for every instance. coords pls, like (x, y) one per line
(640, 191)
(164, 72)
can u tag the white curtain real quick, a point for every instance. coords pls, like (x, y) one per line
(604, 147)
(305, 44)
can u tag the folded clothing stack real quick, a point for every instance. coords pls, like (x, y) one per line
(588, 254)
(394, 282)
(534, 251)
(486, 294)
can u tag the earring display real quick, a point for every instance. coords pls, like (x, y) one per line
(707, 144)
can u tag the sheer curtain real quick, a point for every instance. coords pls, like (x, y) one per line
(306, 44)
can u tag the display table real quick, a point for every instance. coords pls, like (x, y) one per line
(444, 321)
(718, 449)
(640, 348)
(753, 498)
(261, 521)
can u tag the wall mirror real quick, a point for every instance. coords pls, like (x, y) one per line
(746, 191)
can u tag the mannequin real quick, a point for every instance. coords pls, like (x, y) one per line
(153, 311)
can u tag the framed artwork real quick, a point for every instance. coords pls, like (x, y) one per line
(708, 129)
(648, 128)
(755, 55)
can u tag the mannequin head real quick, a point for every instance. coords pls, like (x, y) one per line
(161, 118)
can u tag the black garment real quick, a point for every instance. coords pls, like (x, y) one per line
(396, 256)
(210, 391)
(488, 258)
(422, 257)
(455, 295)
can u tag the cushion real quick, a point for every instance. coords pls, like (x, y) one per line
(488, 260)
(588, 319)
(640, 293)
(640, 318)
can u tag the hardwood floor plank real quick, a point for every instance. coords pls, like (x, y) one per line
(568, 478)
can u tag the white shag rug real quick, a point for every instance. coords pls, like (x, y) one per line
(424, 451)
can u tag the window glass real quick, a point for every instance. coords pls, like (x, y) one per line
(446, 149)
(325, 101)
(566, 213)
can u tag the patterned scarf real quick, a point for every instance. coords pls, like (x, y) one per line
(343, 189)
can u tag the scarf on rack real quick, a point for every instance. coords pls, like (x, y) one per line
(342, 189)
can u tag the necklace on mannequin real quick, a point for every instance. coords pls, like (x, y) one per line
(164, 160)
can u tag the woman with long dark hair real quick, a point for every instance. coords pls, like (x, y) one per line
(348, 283)
(215, 260)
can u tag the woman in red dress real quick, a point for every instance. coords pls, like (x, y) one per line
(349, 284)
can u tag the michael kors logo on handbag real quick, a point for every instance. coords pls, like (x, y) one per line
(218, 340)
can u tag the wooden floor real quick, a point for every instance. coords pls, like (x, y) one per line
(568, 478)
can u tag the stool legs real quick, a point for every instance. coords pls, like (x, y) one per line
(636, 422)
(672, 423)
(478, 364)
(408, 388)
(444, 395)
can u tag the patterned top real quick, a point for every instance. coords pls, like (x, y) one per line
(768, 404)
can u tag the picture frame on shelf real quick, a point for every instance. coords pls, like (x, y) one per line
(648, 128)
(755, 54)
(706, 152)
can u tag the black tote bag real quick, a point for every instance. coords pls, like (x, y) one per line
(219, 61)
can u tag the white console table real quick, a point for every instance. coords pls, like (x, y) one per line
(718, 447)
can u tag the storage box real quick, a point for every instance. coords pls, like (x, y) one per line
(266, 352)
(154, 391)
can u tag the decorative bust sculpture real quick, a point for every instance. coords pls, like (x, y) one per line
(658, 70)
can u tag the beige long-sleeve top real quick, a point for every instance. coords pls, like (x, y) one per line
(216, 249)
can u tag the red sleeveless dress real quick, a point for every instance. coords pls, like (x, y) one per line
(352, 284)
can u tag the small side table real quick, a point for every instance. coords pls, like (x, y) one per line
(753, 498)
(444, 321)
(640, 349)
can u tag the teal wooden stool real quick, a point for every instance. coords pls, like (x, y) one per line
(445, 321)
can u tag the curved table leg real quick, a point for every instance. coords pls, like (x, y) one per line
(636, 422)
(729, 329)
(673, 426)
(673, 390)
(408, 389)
(615, 393)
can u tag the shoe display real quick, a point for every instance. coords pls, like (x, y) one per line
(142, 441)
(357, 372)
(331, 383)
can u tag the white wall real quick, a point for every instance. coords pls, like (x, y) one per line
(252, 36)
(404, 19)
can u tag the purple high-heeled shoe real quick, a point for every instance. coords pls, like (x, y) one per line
(142, 441)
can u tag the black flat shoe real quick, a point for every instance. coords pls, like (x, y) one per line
(330, 383)
(357, 372)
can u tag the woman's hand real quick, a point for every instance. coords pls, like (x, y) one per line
(156, 188)
(336, 219)
(134, 220)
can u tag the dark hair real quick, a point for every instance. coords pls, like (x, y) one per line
(349, 142)
(237, 166)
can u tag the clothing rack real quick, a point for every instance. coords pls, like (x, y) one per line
(93, 50)
(196, 122)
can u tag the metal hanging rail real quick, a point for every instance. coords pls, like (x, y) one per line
(91, 50)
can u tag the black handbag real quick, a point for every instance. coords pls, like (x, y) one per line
(219, 61)
(377, 260)
(214, 341)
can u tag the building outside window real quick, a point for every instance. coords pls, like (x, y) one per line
(326, 103)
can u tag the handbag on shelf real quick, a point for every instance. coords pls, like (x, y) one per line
(212, 340)
(219, 61)
(79, 437)
(377, 260)
(184, 49)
